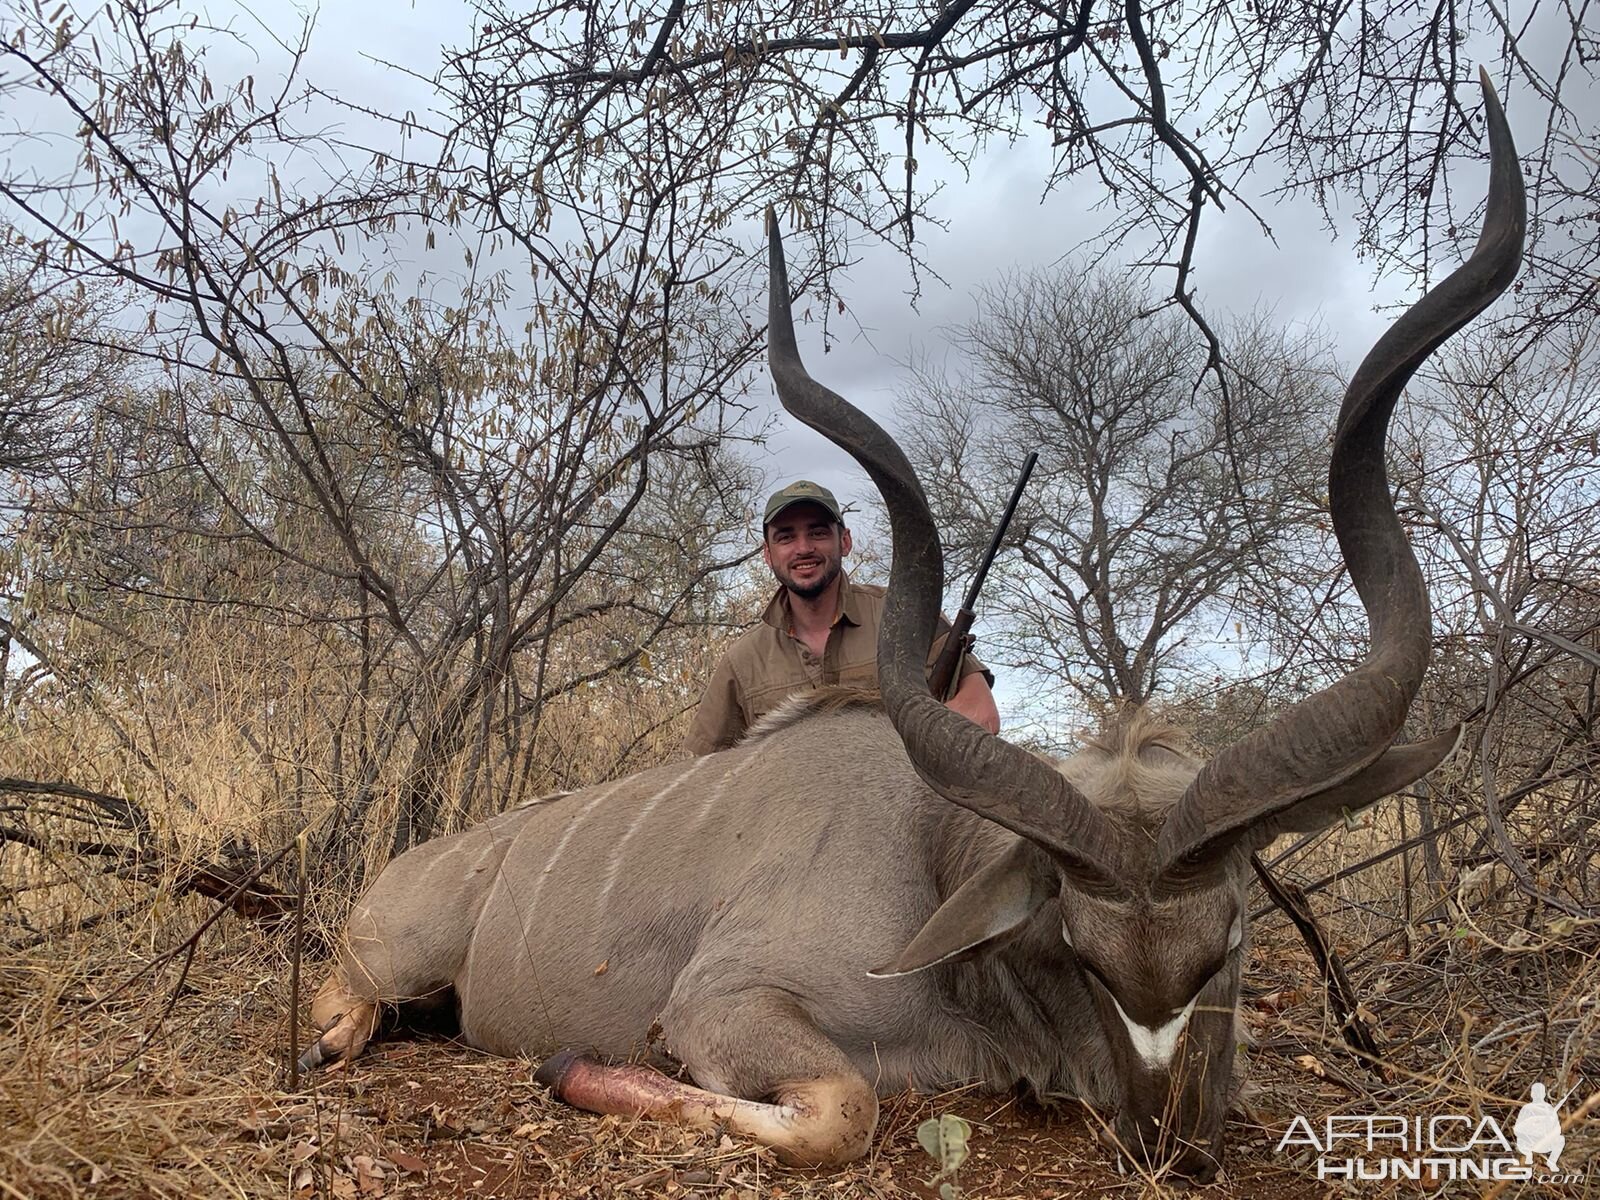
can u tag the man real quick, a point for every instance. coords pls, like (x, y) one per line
(820, 628)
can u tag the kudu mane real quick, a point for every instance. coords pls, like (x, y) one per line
(1134, 769)
(803, 706)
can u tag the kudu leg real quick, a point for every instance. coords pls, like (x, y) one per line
(347, 1022)
(348, 1016)
(401, 952)
(812, 1106)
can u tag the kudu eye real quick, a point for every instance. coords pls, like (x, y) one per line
(1094, 973)
(1192, 863)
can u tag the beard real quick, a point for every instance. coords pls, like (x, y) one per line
(810, 591)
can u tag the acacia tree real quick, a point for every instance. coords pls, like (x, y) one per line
(424, 488)
(52, 364)
(1501, 474)
(1168, 108)
(1137, 538)
(1493, 465)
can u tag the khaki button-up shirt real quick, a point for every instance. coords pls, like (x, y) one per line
(769, 664)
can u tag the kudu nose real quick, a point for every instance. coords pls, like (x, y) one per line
(1161, 1152)
(1197, 1166)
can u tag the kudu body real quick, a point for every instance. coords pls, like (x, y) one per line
(853, 900)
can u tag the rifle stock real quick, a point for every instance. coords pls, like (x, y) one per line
(943, 675)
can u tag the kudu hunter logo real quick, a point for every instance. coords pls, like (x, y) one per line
(1374, 1147)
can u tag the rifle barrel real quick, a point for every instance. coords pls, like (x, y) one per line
(971, 601)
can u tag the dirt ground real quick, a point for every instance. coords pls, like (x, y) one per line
(177, 1088)
(444, 1121)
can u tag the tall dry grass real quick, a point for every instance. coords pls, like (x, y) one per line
(134, 1056)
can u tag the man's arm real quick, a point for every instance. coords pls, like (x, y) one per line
(972, 697)
(719, 720)
(974, 701)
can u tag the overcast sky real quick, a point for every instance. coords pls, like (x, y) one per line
(999, 222)
(996, 221)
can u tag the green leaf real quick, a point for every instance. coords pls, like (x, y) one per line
(945, 1139)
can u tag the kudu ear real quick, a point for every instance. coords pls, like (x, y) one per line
(993, 903)
(1388, 773)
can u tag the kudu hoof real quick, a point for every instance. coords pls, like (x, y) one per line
(553, 1071)
(312, 1058)
(319, 1054)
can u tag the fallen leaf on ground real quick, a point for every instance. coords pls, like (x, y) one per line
(1310, 1062)
(369, 1175)
(408, 1162)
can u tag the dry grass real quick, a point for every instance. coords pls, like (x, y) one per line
(176, 1085)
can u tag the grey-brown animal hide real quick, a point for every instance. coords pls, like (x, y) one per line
(656, 903)
(596, 914)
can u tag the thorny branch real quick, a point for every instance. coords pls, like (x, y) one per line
(1173, 109)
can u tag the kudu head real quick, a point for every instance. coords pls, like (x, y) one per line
(1154, 908)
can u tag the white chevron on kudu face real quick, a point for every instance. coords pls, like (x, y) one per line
(1155, 1047)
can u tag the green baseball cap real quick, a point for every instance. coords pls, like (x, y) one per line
(801, 491)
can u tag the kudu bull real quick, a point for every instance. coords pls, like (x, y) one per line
(859, 899)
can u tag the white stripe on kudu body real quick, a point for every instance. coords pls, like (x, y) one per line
(1155, 1046)
(709, 801)
(566, 836)
(620, 850)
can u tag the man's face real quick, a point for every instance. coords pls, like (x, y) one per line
(805, 549)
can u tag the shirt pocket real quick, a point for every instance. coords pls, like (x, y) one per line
(862, 674)
(762, 699)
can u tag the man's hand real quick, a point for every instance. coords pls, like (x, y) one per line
(974, 701)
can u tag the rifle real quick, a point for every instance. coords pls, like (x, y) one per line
(960, 639)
